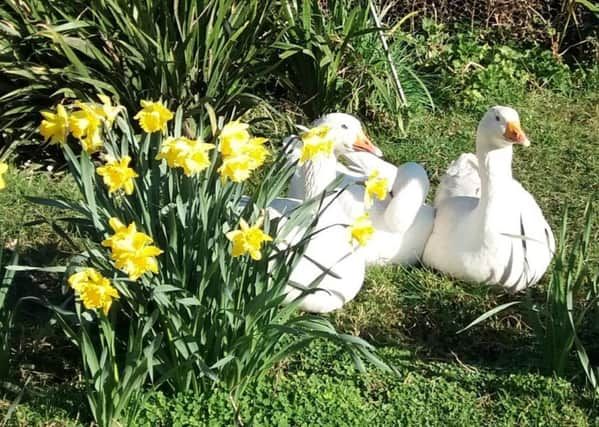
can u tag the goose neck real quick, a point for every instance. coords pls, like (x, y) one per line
(319, 173)
(495, 169)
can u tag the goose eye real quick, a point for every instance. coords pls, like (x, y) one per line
(344, 127)
(497, 118)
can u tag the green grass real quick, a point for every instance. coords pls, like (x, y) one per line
(17, 212)
(320, 388)
(486, 375)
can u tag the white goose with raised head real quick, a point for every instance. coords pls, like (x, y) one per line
(331, 264)
(490, 230)
(402, 221)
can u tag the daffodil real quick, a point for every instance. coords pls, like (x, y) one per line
(257, 152)
(233, 138)
(118, 175)
(240, 152)
(107, 110)
(92, 141)
(3, 169)
(83, 121)
(55, 126)
(248, 239)
(153, 116)
(189, 154)
(132, 251)
(94, 290)
(361, 230)
(237, 168)
(375, 186)
(316, 142)
(86, 124)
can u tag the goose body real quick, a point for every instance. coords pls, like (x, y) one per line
(402, 221)
(460, 179)
(490, 230)
(331, 271)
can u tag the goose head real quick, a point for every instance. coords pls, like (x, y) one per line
(347, 134)
(500, 128)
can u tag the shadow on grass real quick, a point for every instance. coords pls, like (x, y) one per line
(41, 352)
(423, 313)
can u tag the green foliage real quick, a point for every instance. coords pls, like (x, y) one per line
(320, 388)
(317, 52)
(473, 71)
(333, 60)
(187, 52)
(114, 381)
(572, 295)
(7, 310)
(324, 392)
(206, 317)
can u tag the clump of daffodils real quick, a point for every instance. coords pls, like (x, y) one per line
(375, 186)
(241, 153)
(248, 239)
(316, 142)
(132, 251)
(94, 290)
(189, 154)
(85, 123)
(361, 230)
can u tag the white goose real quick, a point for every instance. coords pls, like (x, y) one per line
(402, 222)
(349, 137)
(490, 230)
(330, 264)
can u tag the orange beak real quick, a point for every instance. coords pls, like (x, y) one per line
(515, 134)
(363, 143)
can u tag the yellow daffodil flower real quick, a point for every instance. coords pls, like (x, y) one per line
(316, 142)
(55, 126)
(83, 121)
(189, 154)
(233, 137)
(94, 290)
(153, 116)
(92, 141)
(86, 124)
(257, 152)
(240, 152)
(248, 239)
(3, 169)
(132, 251)
(361, 230)
(375, 186)
(236, 168)
(118, 175)
(107, 110)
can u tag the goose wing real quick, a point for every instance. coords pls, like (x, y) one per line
(460, 180)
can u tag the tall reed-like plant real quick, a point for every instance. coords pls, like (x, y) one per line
(187, 52)
(570, 305)
(193, 269)
(572, 295)
(315, 45)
